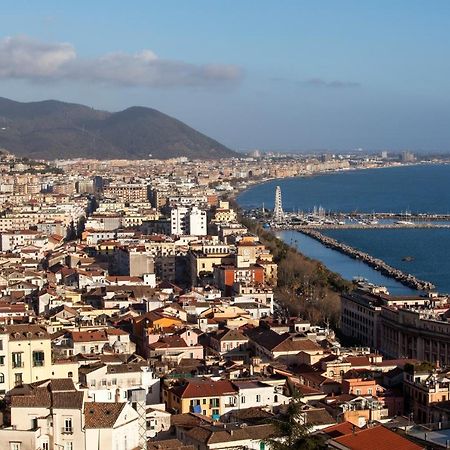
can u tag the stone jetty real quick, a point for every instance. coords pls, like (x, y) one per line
(378, 264)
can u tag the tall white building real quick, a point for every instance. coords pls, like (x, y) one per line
(178, 220)
(188, 221)
(197, 222)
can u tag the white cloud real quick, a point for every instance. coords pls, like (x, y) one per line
(24, 58)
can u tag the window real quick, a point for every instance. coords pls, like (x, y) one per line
(38, 358)
(17, 379)
(67, 425)
(68, 446)
(2, 360)
(243, 399)
(45, 446)
(2, 377)
(17, 359)
(92, 382)
(358, 391)
(258, 398)
(369, 391)
(70, 374)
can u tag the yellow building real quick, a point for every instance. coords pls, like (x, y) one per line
(26, 357)
(207, 397)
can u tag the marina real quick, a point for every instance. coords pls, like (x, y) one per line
(317, 221)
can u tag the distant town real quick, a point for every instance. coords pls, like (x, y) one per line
(141, 308)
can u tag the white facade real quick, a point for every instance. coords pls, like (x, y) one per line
(185, 221)
(197, 222)
(115, 382)
(256, 394)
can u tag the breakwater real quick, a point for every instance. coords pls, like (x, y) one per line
(376, 263)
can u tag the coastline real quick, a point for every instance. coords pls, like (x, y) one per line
(238, 191)
(404, 278)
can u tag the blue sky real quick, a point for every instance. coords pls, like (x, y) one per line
(284, 75)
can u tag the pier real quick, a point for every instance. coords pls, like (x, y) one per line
(377, 264)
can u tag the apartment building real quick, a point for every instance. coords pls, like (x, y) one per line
(207, 397)
(26, 357)
(55, 415)
(188, 221)
(115, 382)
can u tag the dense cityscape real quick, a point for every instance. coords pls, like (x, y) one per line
(224, 225)
(140, 309)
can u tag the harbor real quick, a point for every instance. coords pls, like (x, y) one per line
(315, 222)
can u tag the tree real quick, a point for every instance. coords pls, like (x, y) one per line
(71, 232)
(291, 430)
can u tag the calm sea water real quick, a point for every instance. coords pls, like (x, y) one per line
(423, 189)
(415, 188)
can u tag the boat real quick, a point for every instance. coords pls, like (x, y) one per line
(408, 258)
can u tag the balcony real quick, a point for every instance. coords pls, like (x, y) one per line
(17, 364)
(38, 363)
(67, 430)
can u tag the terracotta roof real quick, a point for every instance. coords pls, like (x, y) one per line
(230, 335)
(204, 388)
(58, 393)
(189, 420)
(125, 368)
(358, 360)
(214, 434)
(341, 429)
(68, 400)
(89, 336)
(319, 416)
(173, 341)
(376, 438)
(168, 444)
(293, 344)
(62, 385)
(102, 415)
(25, 332)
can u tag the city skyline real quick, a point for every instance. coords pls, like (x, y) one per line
(299, 78)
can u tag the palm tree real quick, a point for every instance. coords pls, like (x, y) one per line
(291, 430)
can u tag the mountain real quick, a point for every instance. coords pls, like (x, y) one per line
(51, 129)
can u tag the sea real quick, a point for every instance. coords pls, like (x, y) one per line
(405, 189)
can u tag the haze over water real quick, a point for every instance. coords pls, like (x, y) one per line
(423, 189)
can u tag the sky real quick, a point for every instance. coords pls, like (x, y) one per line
(286, 75)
